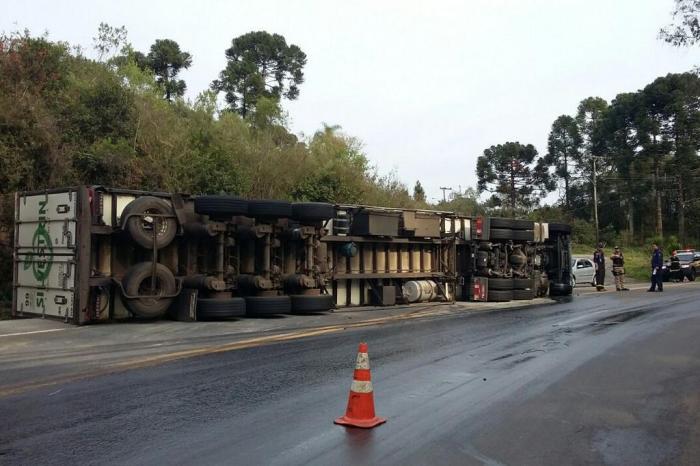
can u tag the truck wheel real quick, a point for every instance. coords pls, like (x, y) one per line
(560, 289)
(523, 284)
(523, 295)
(271, 209)
(220, 206)
(140, 225)
(501, 233)
(511, 223)
(267, 305)
(523, 235)
(137, 281)
(312, 303)
(559, 228)
(215, 309)
(500, 284)
(500, 296)
(312, 211)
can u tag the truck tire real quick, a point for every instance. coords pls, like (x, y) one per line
(512, 224)
(220, 206)
(137, 281)
(215, 309)
(267, 305)
(501, 233)
(692, 275)
(302, 304)
(500, 284)
(523, 295)
(312, 211)
(523, 235)
(500, 296)
(523, 284)
(140, 225)
(269, 209)
(560, 289)
(559, 228)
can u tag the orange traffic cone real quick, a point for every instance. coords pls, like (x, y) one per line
(360, 412)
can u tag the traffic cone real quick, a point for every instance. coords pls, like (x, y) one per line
(360, 412)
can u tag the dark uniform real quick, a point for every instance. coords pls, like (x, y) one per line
(657, 260)
(618, 269)
(599, 261)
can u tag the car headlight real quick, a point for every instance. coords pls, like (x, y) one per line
(685, 266)
(663, 267)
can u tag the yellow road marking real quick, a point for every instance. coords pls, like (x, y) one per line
(147, 361)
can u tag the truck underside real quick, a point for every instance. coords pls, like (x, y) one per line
(90, 253)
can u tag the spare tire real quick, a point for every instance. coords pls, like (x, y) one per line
(523, 295)
(313, 211)
(215, 309)
(501, 233)
(267, 305)
(500, 284)
(312, 303)
(220, 206)
(512, 223)
(137, 281)
(269, 209)
(559, 228)
(500, 295)
(140, 225)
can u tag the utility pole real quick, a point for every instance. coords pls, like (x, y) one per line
(444, 197)
(595, 201)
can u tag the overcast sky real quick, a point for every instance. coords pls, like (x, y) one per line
(425, 85)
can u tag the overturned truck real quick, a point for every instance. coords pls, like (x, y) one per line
(89, 254)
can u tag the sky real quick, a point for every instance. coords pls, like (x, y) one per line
(426, 86)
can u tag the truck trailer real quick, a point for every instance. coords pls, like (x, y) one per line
(88, 254)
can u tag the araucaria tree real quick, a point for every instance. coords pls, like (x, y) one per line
(515, 175)
(166, 60)
(564, 151)
(260, 64)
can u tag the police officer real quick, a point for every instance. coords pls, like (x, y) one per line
(618, 269)
(657, 260)
(599, 261)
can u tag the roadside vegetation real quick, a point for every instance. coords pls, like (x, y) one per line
(637, 259)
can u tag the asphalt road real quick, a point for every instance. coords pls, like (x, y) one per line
(608, 378)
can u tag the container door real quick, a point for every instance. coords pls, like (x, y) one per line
(45, 254)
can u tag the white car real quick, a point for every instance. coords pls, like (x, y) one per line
(582, 271)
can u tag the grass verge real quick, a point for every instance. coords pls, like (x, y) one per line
(637, 259)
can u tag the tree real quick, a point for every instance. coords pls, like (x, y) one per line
(109, 40)
(418, 192)
(260, 64)
(563, 150)
(167, 60)
(685, 31)
(514, 174)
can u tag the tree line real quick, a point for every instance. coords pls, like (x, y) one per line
(638, 155)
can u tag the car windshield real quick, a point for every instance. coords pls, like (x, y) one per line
(685, 256)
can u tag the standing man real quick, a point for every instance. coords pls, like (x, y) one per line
(657, 260)
(618, 269)
(599, 261)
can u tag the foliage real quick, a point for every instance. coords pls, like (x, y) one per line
(685, 31)
(564, 147)
(418, 192)
(515, 176)
(167, 60)
(260, 64)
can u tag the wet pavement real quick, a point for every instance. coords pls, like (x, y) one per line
(605, 378)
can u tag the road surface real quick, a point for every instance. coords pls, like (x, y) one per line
(605, 378)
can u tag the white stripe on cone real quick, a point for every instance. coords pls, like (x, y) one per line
(362, 361)
(359, 386)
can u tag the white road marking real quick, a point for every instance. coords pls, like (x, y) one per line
(30, 333)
